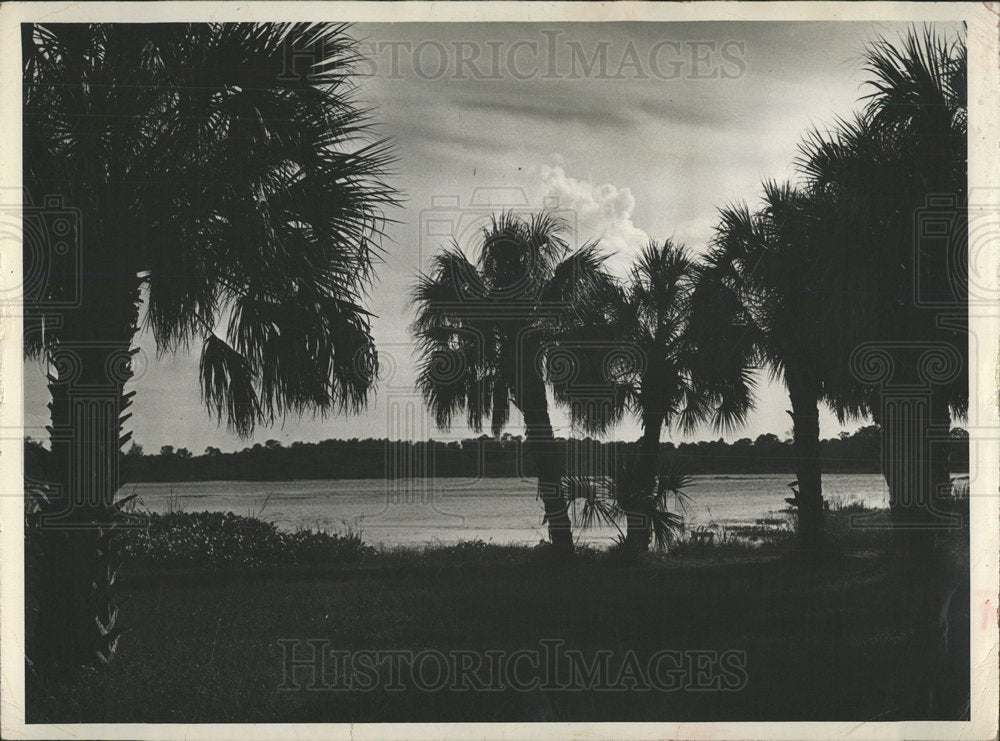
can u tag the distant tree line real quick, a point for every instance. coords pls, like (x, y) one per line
(484, 456)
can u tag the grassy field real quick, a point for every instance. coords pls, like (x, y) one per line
(842, 638)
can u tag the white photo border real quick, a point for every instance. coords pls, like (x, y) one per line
(983, 23)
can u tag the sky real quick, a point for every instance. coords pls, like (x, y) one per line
(633, 131)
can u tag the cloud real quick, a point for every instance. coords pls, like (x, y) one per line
(598, 212)
(698, 111)
(553, 110)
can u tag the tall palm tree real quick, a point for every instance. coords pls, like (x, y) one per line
(761, 302)
(220, 196)
(896, 174)
(654, 380)
(484, 326)
(881, 171)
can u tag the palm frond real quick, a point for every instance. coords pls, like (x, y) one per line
(591, 502)
(518, 252)
(455, 373)
(590, 363)
(228, 387)
(918, 84)
(673, 479)
(666, 528)
(500, 410)
(453, 331)
(452, 292)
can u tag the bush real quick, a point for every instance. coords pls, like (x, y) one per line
(227, 539)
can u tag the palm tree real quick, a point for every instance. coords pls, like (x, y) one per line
(908, 320)
(653, 378)
(219, 197)
(760, 301)
(484, 327)
(896, 175)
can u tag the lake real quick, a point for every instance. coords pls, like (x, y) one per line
(445, 510)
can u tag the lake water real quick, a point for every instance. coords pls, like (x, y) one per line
(443, 510)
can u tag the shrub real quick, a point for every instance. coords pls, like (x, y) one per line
(227, 539)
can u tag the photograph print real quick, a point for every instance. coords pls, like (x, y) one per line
(581, 367)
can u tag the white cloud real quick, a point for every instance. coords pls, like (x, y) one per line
(597, 211)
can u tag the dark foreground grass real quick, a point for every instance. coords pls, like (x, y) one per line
(841, 637)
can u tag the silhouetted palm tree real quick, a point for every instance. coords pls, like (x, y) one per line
(895, 167)
(897, 176)
(652, 378)
(762, 302)
(484, 326)
(220, 196)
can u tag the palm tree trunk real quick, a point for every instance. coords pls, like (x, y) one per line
(541, 446)
(78, 528)
(804, 395)
(638, 521)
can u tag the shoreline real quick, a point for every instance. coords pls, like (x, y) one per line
(416, 513)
